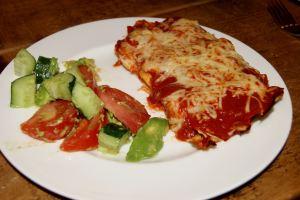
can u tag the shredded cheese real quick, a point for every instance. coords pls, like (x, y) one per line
(207, 67)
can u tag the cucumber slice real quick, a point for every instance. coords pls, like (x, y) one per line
(42, 96)
(60, 86)
(72, 67)
(112, 137)
(23, 92)
(85, 99)
(81, 61)
(111, 118)
(74, 70)
(45, 68)
(24, 63)
(115, 130)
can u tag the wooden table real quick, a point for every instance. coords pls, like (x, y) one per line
(22, 23)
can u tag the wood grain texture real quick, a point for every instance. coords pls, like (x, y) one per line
(23, 23)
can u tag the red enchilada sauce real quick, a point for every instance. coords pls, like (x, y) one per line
(231, 119)
(161, 89)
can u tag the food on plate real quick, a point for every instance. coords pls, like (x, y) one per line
(53, 121)
(42, 96)
(111, 138)
(149, 140)
(124, 107)
(207, 90)
(22, 92)
(85, 99)
(74, 108)
(45, 68)
(88, 76)
(60, 86)
(84, 69)
(85, 137)
(24, 63)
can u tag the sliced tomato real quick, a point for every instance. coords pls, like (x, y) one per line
(124, 107)
(86, 135)
(52, 121)
(88, 76)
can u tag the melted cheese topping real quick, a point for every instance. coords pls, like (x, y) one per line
(207, 67)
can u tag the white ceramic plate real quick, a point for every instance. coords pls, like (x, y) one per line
(178, 172)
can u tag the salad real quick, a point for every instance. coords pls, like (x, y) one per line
(85, 115)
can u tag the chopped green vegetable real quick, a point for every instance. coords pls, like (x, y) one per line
(81, 61)
(45, 68)
(112, 137)
(111, 118)
(24, 63)
(23, 92)
(74, 70)
(85, 99)
(149, 140)
(60, 86)
(72, 67)
(115, 130)
(42, 96)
